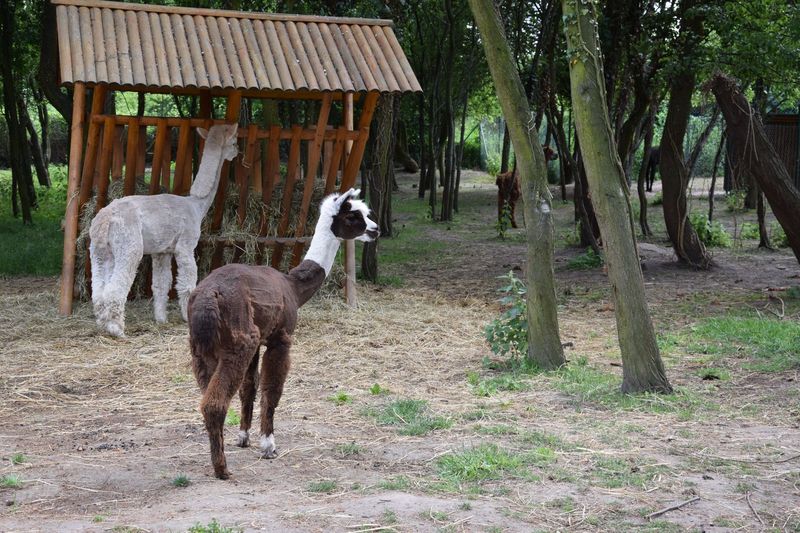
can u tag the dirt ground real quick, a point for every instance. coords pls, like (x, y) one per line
(105, 426)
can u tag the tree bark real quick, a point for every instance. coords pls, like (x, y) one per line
(544, 343)
(643, 370)
(694, 155)
(47, 73)
(34, 148)
(713, 186)
(758, 157)
(675, 175)
(640, 183)
(401, 154)
(16, 132)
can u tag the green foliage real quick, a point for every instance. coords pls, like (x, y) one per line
(734, 201)
(486, 461)
(341, 398)
(508, 335)
(657, 199)
(324, 486)
(181, 480)
(377, 390)
(471, 158)
(713, 374)
(777, 237)
(769, 345)
(586, 261)
(33, 250)
(212, 527)
(232, 418)
(411, 416)
(490, 386)
(749, 231)
(710, 233)
(348, 449)
(11, 481)
(503, 223)
(395, 483)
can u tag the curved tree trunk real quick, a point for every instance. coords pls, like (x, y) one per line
(640, 183)
(758, 157)
(642, 368)
(544, 343)
(713, 186)
(401, 154)
(675, 174)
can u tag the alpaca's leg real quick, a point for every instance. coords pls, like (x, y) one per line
(512, 205)
(227, 378)
(102, 266)
(187, 277)
(274, 369)
(162, 281)
(247, 395)
(126, 262)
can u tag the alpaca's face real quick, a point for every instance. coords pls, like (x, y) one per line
(352, 220)
(225, 136)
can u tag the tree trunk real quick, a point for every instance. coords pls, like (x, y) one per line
(642, 368)
(34, 148)
(701, 141)
(380, 174)
(544, 343)
(711, 189)
(758, 157)
(675, 174)
(761, 213)
(16, 133)
(505, 153)
(47, 73)
(590, 229)
(648, 144)
(401, 154)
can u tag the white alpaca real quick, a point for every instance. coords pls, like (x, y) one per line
(161, 225)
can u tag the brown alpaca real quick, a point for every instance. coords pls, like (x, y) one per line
(508, 190)
(239, 308)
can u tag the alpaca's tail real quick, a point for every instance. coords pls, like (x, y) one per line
(204, 322)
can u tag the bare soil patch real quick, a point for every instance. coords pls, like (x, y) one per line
(105, 425)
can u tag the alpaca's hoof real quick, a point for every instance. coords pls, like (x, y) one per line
(243, 441)
(115, 330)
(268, 450)
(222, 474)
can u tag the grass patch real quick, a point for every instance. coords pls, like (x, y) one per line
(232, 418)
(713, 374)
(341, 398)
(348, 449)
(212, 527)
(483, 462)
(585, 261)
(411, 417)
(496, 431)
(377, 390)
(395, 483)
(614, 473)
(181, 480)
(11, 481)
(490, 386)
(769, 345)
(325, 486)
(18, 458)
(588, 385)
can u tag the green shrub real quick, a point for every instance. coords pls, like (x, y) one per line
(777, 236)
(749, 231)
(471, 158)
(508, 335)
(710, 233)
(735, 201)
(657, 199)
(587, 261)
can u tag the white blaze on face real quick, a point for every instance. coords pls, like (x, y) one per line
(358, 205)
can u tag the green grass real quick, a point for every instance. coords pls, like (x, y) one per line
(33, 250)
(388, 517)
(585, 261)
(11, 481)
(766, 345)
(212, 527)
(341, 398)
(411, 417)
(232, 418)
(590, 386)
(348, 449)
(490, 386)
(325, 486)
(377, 390)
(614, 473)
(395, 483)
(483, 462)
(18, 458)
(181, 480)
(497, 430)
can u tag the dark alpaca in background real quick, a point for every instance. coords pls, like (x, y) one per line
(238, 308)
(508, 190)
(653, 159)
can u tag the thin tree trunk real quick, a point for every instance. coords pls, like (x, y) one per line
(505, 153)
(701, 141)
(640, 183)
(761, 213)
(401, 153)
(34, 148)
(758, 157)
(642, 369)
(711, 189)
(544, 343)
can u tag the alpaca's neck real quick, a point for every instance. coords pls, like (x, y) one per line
(324, 245)
(208, 173)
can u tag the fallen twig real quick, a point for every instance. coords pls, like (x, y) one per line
(672, 508)
(750, 505)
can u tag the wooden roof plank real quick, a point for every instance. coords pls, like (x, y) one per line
(207, 52)
(265, 52)
(158, 44)
(112, 61)
(200, 74)
(64, 47)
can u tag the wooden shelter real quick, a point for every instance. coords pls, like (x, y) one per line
(112, 46)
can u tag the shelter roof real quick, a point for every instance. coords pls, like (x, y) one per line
(163, 48)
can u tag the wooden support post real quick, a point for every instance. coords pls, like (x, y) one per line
(161, 146)
(131, 157)
(350, 245)
(92, 142)
(109, 131)
(119, 153)
(71, 218)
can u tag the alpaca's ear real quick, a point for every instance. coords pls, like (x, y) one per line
(355, 193)
(202, 132)
(343, 198)
(234, 130)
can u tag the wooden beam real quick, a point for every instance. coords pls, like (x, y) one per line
(349, 246)
(72, 210)
(314, 152)
(131, 157)
(109, 130)
(92, 142)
